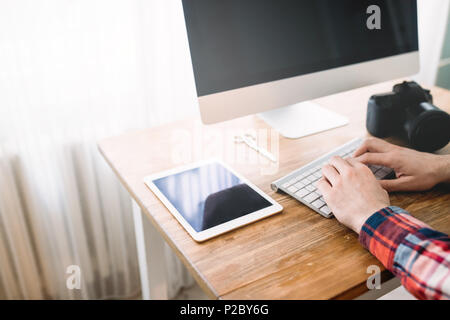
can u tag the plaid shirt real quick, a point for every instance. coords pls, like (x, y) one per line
(411, 250)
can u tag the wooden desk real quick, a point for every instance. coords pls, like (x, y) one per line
(293, 255)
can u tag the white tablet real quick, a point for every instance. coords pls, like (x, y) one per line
(209, 198)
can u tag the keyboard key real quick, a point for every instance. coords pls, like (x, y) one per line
(325, 210)
(318, 203)
(299, 185)
(311, 197)
(318, 174)
(306, 182)
(311, 188)
(286, 185)
(312, 178)
(292, 189)
(294, 180)
(301, 193)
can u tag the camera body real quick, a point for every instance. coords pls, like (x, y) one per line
(408, 112)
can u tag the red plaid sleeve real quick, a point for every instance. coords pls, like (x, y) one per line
(411, 250)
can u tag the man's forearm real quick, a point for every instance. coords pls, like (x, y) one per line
(444, 168)
(410, 249)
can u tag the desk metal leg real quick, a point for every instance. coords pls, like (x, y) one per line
(150, 249)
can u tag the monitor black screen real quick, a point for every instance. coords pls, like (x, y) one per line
(239, 43)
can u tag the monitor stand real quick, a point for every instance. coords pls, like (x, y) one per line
(302, 119)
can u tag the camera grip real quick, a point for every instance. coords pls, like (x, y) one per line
(381, 115)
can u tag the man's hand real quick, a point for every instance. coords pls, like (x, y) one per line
(415, 171)
(351, 191)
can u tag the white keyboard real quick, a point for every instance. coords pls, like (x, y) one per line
(301, 183)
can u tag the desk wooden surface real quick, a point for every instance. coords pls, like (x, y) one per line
(293, 255)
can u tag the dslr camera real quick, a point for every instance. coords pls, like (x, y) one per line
(408, 113)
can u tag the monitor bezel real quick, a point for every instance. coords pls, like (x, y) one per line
(267, 96)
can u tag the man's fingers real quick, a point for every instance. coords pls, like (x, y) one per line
(372, 145)
(354, 163)
(324, 187)
(383, 159)
(400, 184)
(340, 164)
(331, 174)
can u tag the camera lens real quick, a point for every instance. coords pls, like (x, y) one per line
(430, 131)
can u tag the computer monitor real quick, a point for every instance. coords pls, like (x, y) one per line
(266, 56)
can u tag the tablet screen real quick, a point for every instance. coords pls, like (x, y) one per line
(210, 195)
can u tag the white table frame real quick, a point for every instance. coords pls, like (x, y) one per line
(150, 244)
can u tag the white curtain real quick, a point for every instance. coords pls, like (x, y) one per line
(72, 72)
(433, 17)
